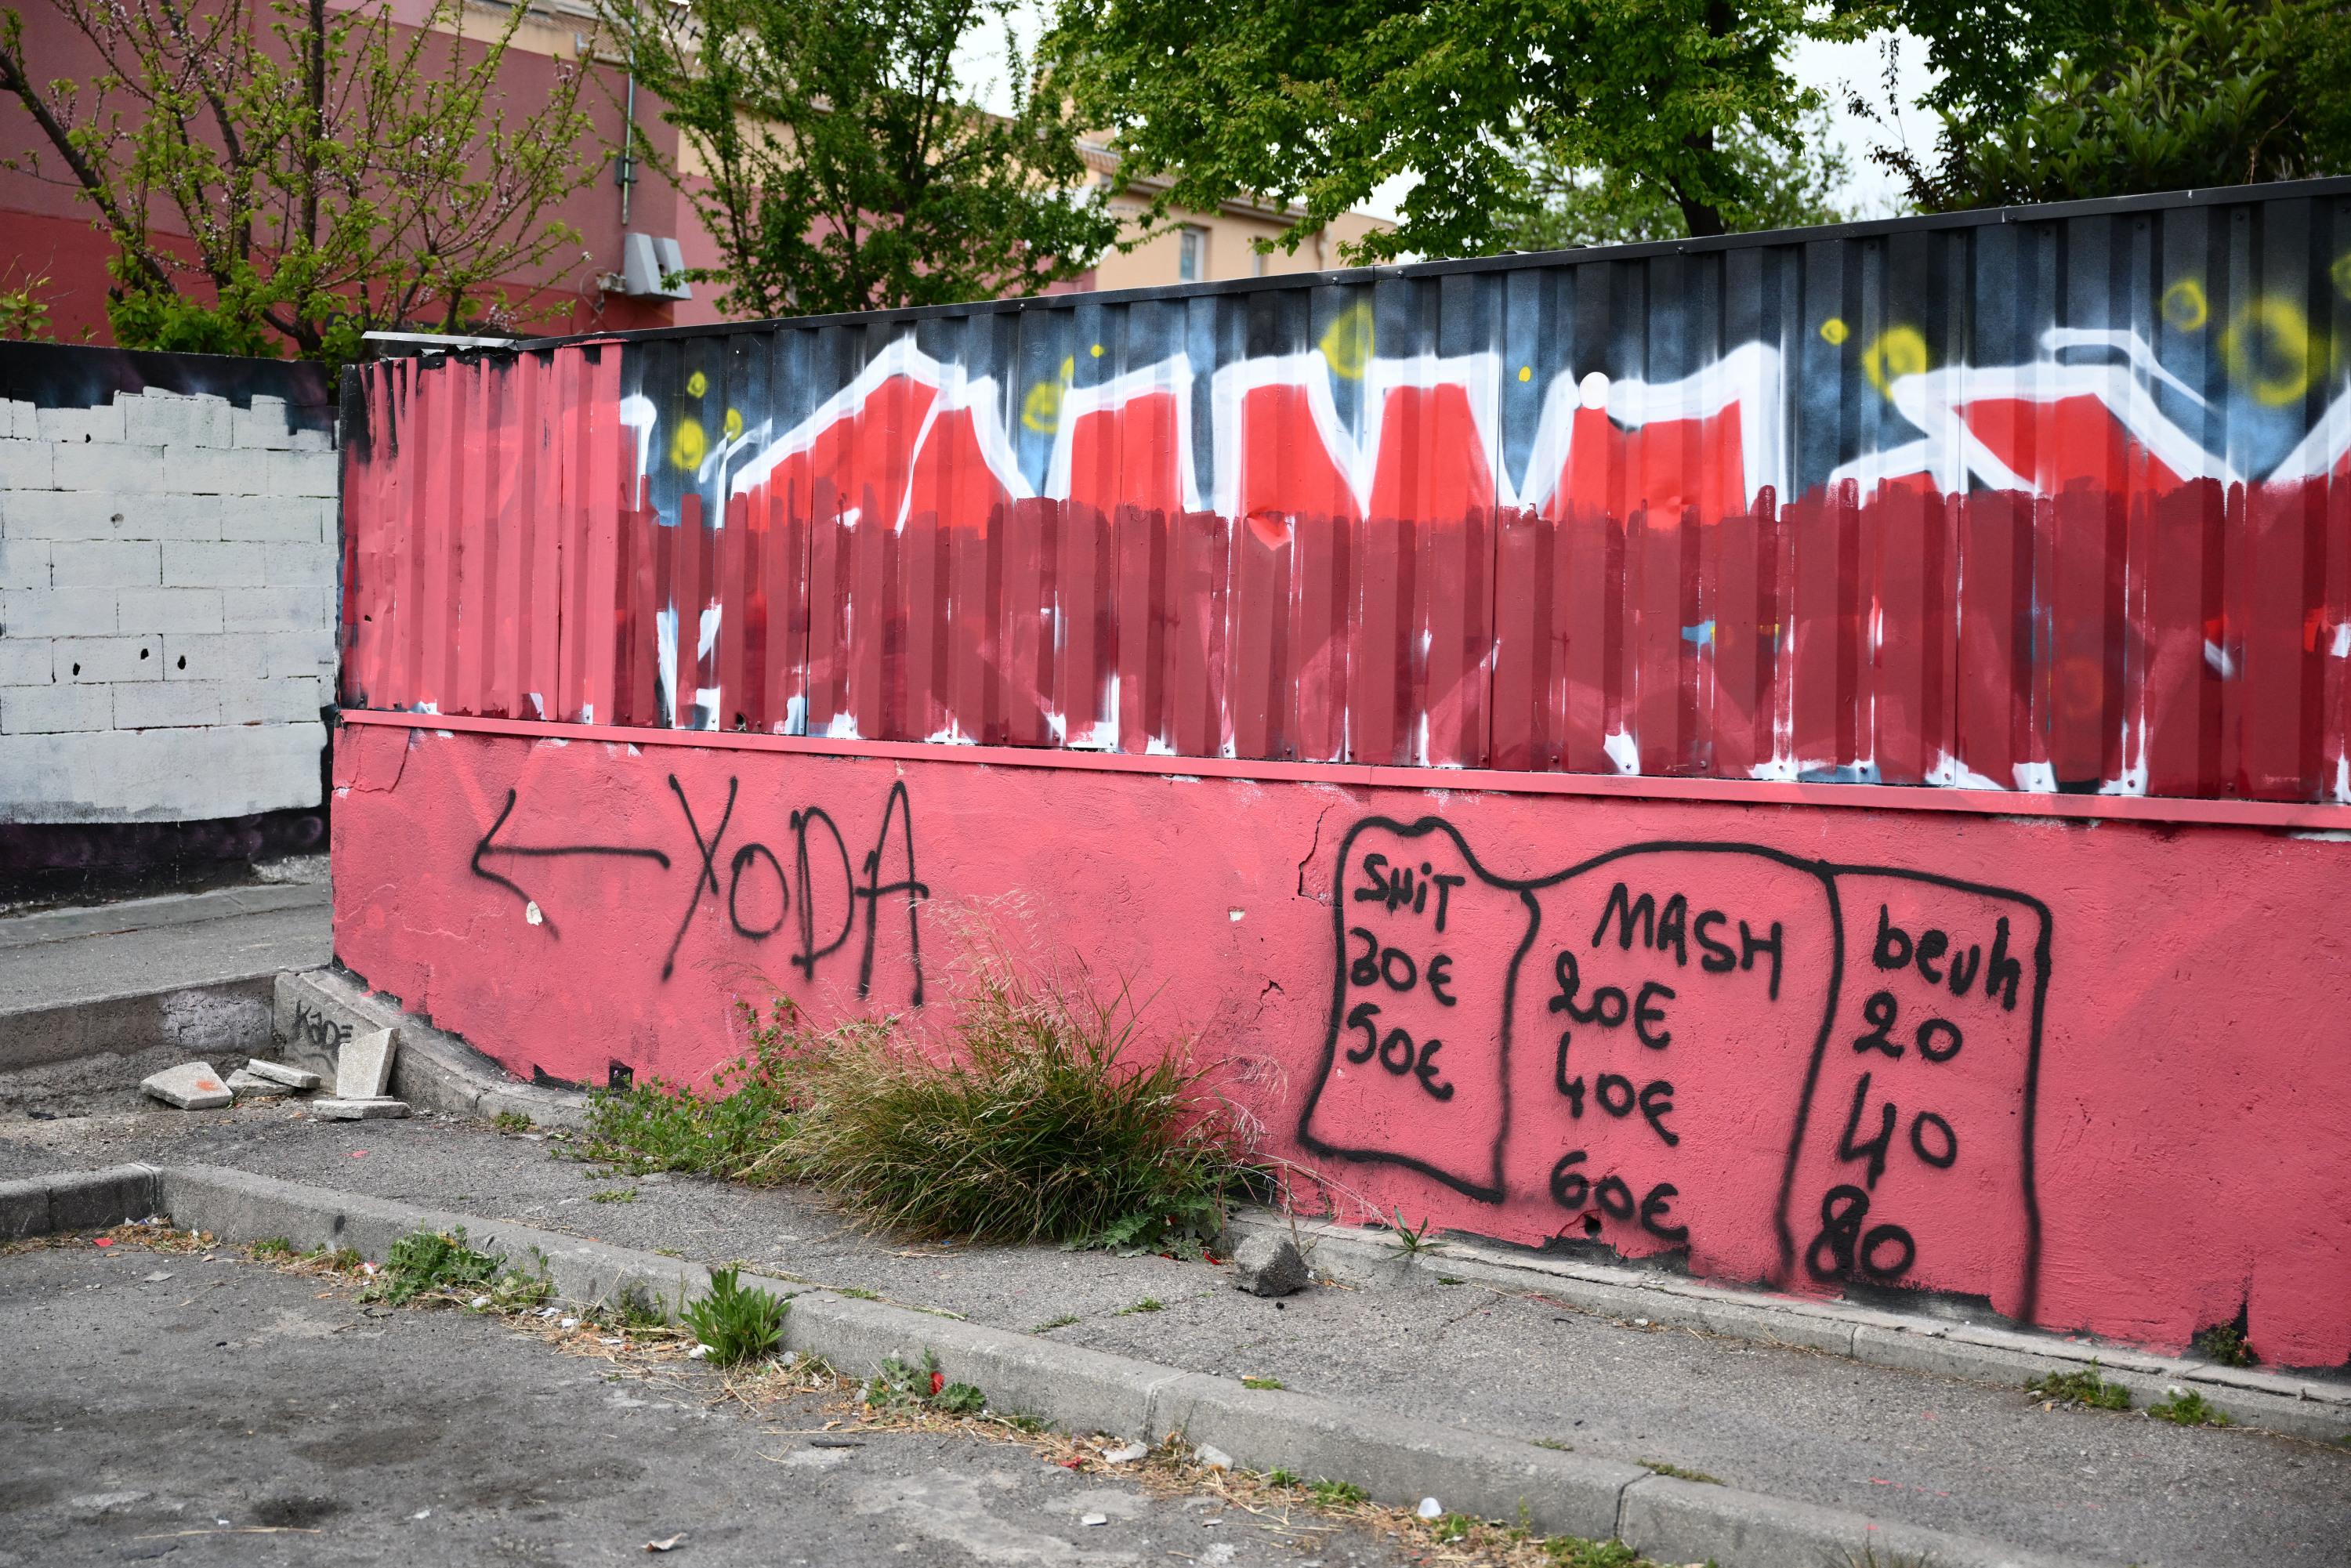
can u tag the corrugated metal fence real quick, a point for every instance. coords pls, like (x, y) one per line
(2042, 499)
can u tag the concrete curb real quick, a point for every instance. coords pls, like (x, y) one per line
(2274, 1402)
(227, 1019)
(1396, 1460)
(78, 1200)
(434, 1070)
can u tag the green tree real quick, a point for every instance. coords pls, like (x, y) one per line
(1796, 184)
(1320, 103)
(332, 175)
(2162, 97)
(833, 150)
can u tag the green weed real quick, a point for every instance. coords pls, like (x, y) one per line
(861, 1293)
(1335, 1494)
(738, 1323)
(1049, 1324)
(2225, 1343)
(1659, 1466)
(273, 1246)
(732, 1132)
(1555, 1445)
(615, 1195)
(635, 1310)
(905, 1386)
(1414, 1242)
(1282, 1478)
(1451, 1279)
(1260, 1382)
(2082, 1388)
(341, 1260)
(1148, 1304)
(427, 1262)
(1574, 1551)
(1048, 1120)
(1451, 1527)
(511, 1122)
(2186, 1407)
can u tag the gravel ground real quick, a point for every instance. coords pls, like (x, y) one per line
(1941, 1452)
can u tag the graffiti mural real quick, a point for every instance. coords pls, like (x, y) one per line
(2053, 505)
(1683, 1038)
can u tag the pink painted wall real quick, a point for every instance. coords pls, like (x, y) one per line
(2093, 1072)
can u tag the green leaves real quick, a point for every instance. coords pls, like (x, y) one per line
(335, 172)
(2189, 94)
(841, 163)
(1321, 104)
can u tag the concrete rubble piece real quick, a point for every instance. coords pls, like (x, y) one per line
(191, 1086)
(363, 1066)
(247, 1084)
(278, 1072)
(355, 1109)
(1270, 1265)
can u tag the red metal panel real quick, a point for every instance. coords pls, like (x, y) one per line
(2277, 599)
(2178, 573)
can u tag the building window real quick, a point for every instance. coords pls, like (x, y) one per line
(1192, 255)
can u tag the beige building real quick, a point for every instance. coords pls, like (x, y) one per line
(1208, 247)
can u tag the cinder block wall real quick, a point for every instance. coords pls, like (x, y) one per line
(167, 607)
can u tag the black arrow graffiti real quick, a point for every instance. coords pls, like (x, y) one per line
(483, 850)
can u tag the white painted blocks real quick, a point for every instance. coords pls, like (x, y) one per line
(167, 595)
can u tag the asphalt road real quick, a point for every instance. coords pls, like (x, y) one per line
(1942, 1452)
(233, 1414)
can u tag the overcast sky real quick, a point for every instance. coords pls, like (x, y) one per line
(1836, 69)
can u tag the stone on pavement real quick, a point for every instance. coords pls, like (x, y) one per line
(355, 1109)
(192, 1086)
(278, 1072)
(363, 1067)
(1270, 1265)
(247, 1084)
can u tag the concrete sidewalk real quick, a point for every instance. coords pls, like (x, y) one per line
(1970, 1457)
(191, 970)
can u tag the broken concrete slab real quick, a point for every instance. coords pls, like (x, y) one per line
(363, 1066)
(278, 1072)
(360, 1110)
(249, 1085)
(191, 1086)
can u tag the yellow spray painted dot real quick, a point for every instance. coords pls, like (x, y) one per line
(697, 384)
(2267, 349)
(1096, 350)
(1526, 373)
(1898, 351)
(1833, 330)
(687, 445)
(734, 423)
(2185, 305)
(1347, 343)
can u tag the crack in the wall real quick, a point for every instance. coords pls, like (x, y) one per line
(1311, 849)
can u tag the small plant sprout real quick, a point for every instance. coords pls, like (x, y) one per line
(738, 1323)
(440, 1264)
(1659, 1466)
(2225, 1343)
(904, 1387)
(273, 1246)
(615, 1195)
(1262, 1383)
(1452, 1526)
(1049, 1324)
(1282, 1478)
(2082, 1388)
(1335, 1494)
(2186, 1407)
(1148, 1304)
(511, 1122)
(1414, 1242)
